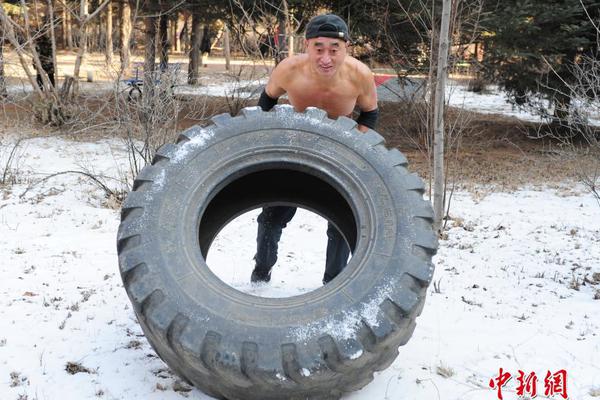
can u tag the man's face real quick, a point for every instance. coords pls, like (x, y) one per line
(326, 54)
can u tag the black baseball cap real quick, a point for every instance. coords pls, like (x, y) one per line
(327, 25)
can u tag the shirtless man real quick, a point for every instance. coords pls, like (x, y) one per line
(327, 78)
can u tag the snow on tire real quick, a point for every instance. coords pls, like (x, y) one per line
(316, 345)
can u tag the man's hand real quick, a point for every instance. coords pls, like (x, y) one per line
(362, 128)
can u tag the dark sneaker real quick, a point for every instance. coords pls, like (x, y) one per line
(260, 276)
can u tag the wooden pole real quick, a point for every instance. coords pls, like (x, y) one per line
(438, 118)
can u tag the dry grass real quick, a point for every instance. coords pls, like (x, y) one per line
(444, 371)
(73, 368)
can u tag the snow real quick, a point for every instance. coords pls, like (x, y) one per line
(493, 101)
(234, 87)
(510, 291)
(196, 142)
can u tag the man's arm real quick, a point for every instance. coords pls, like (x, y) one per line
(274, 89)
(367, 101)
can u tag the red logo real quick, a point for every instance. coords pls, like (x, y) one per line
(555, 384)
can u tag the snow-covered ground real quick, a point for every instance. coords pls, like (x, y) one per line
(515, 286)
(493, 101)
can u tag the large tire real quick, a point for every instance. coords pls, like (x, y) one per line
(317, 345)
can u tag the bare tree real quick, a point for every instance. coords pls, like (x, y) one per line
(150, 55)
(459, 25)
(194, 64)
(163, 33)
(25, 48)
(84, 20)
(109, 36)
(438, 139)
(125, 34)
(3, 91)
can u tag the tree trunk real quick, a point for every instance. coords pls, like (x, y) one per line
(69, 28)
(109, 36)
(175, 32)
(149, 57)
(83, 38)
(125, 34)
(9, 34)
(64, 26)
(282, 34)
(50, 9)
(431, 86)
(194, 65)
(187, 33)
(438, 138)
(3, 91)
(84, 20)
(227, 50)
(164, 42)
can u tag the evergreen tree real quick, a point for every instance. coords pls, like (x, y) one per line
(531, 45)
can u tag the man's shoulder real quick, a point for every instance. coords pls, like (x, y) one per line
(285, 74)
(293, 63)
(358, 69)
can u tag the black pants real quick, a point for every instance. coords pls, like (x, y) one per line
(40, 82)
(271, 222)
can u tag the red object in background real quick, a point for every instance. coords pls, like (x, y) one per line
(501, 380)
(556, 384)
(527, 384)
(380, 79)
(276, 37)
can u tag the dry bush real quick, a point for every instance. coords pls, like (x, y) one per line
(11, 151)
(245, 88)
(576, 138)
(145, 118)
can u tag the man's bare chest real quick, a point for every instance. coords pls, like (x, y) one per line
(337, 100)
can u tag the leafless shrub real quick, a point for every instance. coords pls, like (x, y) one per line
(577, 132)
(10, 157)
(458, 126)
(477, 84)
(577, 136)
(73, 368)
(575, 283)
(17, 379)
(437, 286)
(244, 87)
(444, 371)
